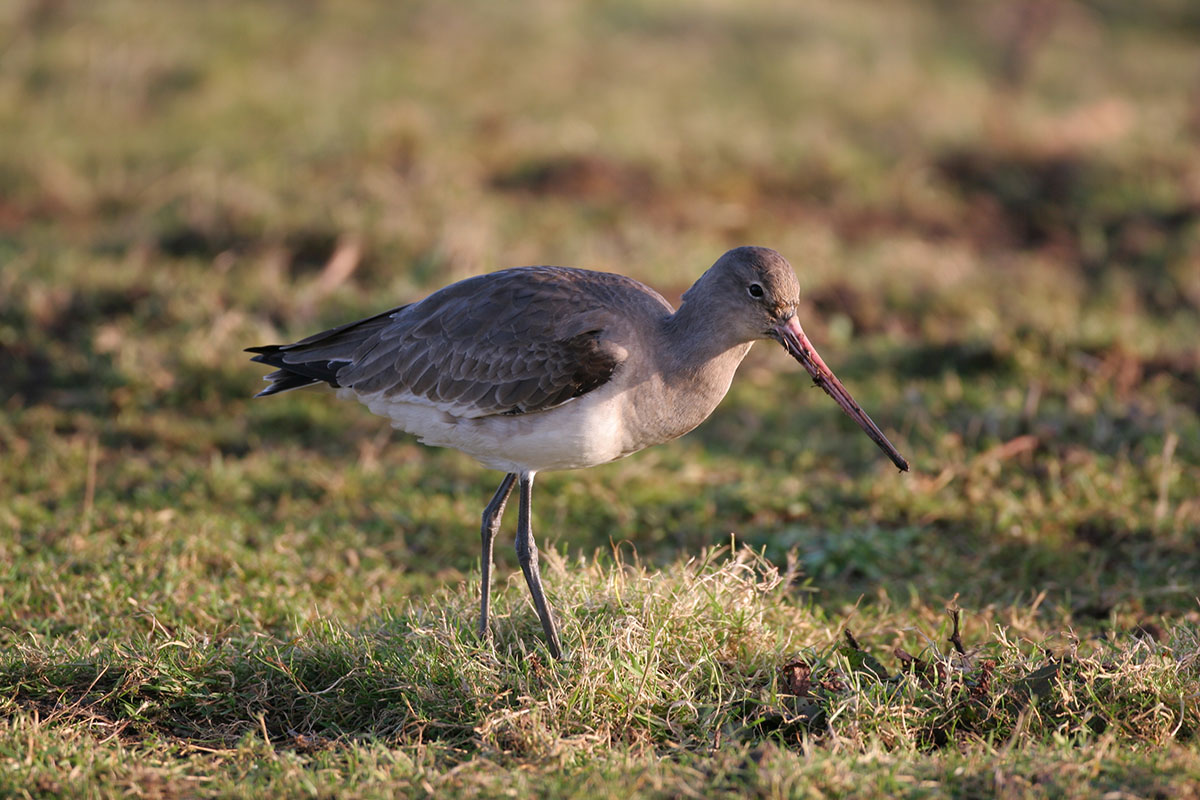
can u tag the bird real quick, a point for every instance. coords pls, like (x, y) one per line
(539, 368)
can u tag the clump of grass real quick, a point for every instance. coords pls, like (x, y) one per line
(717, 650)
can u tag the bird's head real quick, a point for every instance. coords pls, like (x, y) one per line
(762, 294)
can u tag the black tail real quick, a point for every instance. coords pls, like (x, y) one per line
(293, 376)
(317, 358)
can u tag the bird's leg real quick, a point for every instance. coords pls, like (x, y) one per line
(491, 526)
(527, 557)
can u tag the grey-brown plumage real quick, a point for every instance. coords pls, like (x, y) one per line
(539, 368)
(512, 342)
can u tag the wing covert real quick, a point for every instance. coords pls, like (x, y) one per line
(506, 343)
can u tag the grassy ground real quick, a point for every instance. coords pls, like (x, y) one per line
(994, 210)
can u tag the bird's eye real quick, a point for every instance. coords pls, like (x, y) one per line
(755, 290)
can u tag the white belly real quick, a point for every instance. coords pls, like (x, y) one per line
(580, 433)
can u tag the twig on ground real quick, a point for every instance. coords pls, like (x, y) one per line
(956, 615)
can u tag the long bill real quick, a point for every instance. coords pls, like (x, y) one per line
(793, 339)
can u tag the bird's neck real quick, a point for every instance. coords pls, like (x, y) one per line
(702, 354)
(698, 339)
(683, 377)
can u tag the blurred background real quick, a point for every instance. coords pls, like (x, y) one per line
(994, 209)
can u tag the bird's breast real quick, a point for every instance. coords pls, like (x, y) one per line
(667, 403)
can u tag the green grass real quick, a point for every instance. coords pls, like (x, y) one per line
(996, 222)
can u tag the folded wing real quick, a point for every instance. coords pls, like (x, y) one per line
(511, 342)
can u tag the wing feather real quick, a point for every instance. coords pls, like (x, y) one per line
(515, 341)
